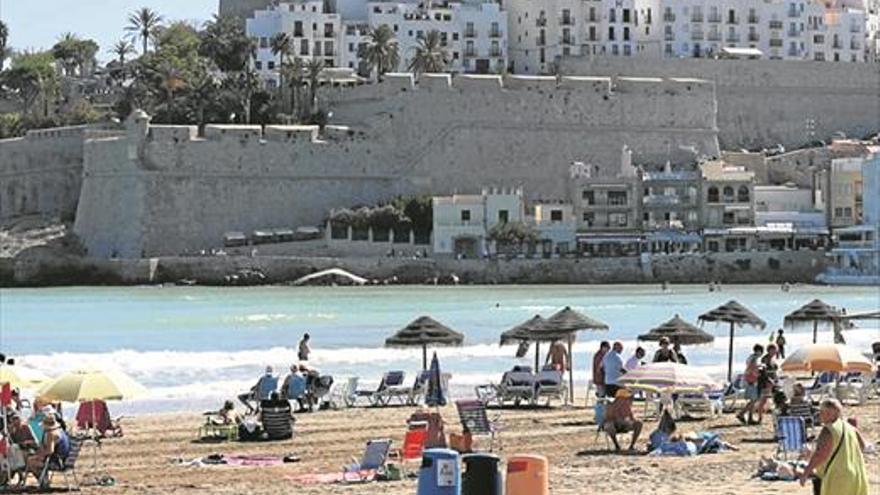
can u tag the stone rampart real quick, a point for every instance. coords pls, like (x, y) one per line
(161, 190)
(41, 173)
(765, 102)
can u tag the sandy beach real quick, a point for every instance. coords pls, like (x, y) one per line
(145, 460)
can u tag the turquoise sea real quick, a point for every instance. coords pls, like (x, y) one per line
(194, 346)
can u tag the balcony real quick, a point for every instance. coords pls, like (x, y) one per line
(697, 18)
(733, 38)
(668, 17)
(733, 20)
(855, 28)
(541, 41)
(794, 52)
(470, 33)
(495, 33)
(793, 33)
(854, 45)
(566, 21)
(329, 33)
(495, 53)
(658, 200)
(775, 42)
(714, 36)
(696, 35)
(794, 13)
(669, 36)
(753, 19)
(775, 24)
(837, 45)
(567, 40)
(470, 53)
(754, 37)
(714, 18)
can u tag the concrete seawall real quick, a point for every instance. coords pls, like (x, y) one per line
(743, 268)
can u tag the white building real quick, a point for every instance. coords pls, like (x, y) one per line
(787, 204)
(474, 34)
(779, 30)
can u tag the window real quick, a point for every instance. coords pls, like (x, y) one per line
(589, 197)
(270, 65)
(555, 215)
(742, 194)
(264, 42)
(612, 17)
(465, 215)
(611, 33)
(503, 216)
(728, 193)
(298, 29)
(729, 218)
(626, 34)
(625, 15)
(589, 218)
(847, 212)
(617, 198)
(259, 65)
(712, 195)
(618, 219)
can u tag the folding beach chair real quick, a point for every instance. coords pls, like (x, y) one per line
(791, 433)
(67, 467)
(374, 458)
(475, 420)
(413, 443)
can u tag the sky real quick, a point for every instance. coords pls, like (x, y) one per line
(37, 24)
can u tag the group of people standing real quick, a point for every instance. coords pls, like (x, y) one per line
(761, 378)
(609, 366)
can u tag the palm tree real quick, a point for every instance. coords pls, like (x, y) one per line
(4, 38)
(313, 74)
(293, 74)
(143, 24)
(381, 52)
(430, 55)
(121, 49)
(282, 46)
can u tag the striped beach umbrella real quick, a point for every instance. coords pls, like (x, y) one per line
(668, 375)
(827, 357)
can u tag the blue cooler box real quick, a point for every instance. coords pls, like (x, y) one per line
(440, 473)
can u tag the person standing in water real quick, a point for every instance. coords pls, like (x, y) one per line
(304, 349)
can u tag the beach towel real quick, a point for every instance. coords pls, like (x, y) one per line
(252, 460)
(94, 414)
(327, 478)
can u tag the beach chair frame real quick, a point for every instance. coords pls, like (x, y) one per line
(557, 390)
(343, 394)
(791, 435)
(475, 420)
(66, 469)
(373, 460)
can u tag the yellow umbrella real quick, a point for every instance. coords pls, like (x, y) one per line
(85, 385)
(18, 377)
(827, 357)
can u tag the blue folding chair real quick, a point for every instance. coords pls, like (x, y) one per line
(791, 433)
(374, 458)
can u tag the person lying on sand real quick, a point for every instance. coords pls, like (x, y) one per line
(619, 418)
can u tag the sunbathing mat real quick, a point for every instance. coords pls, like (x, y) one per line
(327, 478)
(253, 460)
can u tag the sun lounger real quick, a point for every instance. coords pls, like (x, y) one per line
(419, 388)
(475, 420)
(375, 397)
(343, 394)
(791, 434)
(391, 389)
(734, 393)
(550, 384)
(823, 387)
(710, 402)
(374, 458)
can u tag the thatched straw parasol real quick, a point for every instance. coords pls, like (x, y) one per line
(425, 331)
(562, 326)
(522, 333)
(736, 314)
(680, 331)
(814, 312)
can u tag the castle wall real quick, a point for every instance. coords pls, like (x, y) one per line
(169, 192)
(765, 102)
(41, 173)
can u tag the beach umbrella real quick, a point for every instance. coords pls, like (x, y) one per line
(678, 330)
(827, 357)
(422, 332)
(89, 385)
(735, 314)
(667, 375)
(522, 334)
(562, 326)
(814, 312)
(18, 377)
(435, 395)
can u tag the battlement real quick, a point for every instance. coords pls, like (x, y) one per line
(400, 82)
(77, 131)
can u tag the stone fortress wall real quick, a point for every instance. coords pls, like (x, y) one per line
(41, 173)
(762, 103)
(162, 190)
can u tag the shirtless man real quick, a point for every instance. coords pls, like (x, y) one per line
(619, 418)
(558, 356)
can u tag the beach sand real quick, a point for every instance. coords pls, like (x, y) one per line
(144, 460)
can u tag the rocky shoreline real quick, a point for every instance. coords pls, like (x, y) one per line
(48, 267)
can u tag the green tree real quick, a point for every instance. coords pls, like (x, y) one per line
(4, 39)
(430, 55)
(225, 43)
(143, 23)
(294, 76)
(11, 125)
(313, 74)
(381, 51)
(282, 47)
(74, 54)
(122, 49)
(32, 78)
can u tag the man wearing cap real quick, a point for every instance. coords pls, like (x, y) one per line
(261, 390)
(54, 447)
(619, 418)
(613, 364)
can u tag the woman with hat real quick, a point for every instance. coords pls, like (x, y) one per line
(54, 447)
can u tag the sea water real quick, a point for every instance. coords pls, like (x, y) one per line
(192, 347)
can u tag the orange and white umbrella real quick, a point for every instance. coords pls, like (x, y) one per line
(827, 357)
